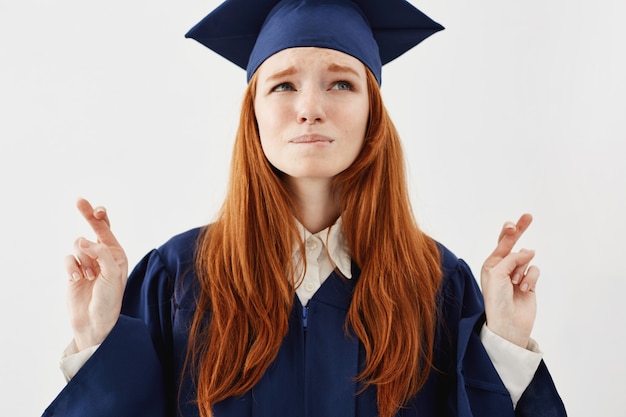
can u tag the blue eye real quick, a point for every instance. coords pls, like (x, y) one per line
(342, 85)
(283, 87)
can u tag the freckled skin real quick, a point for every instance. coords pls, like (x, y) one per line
(312, 109)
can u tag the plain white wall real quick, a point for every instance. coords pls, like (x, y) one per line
(516, 106)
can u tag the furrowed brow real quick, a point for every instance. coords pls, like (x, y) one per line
(281, 74)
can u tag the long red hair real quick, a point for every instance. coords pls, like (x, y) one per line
(245, 257)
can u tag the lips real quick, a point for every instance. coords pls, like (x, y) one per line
(311, 139)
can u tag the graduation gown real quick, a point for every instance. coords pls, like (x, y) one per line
(137, 369)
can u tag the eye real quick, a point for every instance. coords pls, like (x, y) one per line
(283, 87)
(342, 85)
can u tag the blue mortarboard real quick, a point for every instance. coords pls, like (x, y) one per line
(247, 32)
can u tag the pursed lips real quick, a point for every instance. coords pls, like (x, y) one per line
(311, 139)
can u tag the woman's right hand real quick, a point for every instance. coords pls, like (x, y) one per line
(97, 278)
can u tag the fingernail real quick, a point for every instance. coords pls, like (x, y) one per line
(525, 287)
(75, 276)
(515, 279)
(100, 209)
(90, 275)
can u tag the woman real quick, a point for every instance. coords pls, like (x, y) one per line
(314, 293)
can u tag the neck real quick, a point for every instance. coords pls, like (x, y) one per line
(317, 206)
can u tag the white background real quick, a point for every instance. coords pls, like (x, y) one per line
(515, 107)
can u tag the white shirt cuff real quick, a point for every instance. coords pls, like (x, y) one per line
(72, 359)
(515, 365)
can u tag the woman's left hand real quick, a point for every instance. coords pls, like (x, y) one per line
(508, 284)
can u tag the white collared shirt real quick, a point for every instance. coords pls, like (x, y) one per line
(324, 250)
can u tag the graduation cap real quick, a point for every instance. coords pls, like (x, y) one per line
(247, 32)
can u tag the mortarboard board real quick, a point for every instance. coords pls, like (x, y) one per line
(247, 32)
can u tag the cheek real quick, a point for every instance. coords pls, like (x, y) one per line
(362, 122)
(359, 128)
(266, 136)
(269, 119)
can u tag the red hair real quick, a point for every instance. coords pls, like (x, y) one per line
(393, 310)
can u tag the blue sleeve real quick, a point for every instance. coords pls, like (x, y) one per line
(479, 389)
(126, 375)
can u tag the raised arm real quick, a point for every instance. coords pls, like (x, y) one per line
(98, 272)
(508, 283)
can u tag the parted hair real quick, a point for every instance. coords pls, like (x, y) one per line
(246, 272)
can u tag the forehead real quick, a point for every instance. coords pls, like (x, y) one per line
(309, 57)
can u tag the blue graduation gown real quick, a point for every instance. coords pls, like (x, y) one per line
(137, 369)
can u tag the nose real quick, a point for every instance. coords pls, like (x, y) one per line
(310, 106)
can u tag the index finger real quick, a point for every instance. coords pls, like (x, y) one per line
(98, 220)
(510, 235)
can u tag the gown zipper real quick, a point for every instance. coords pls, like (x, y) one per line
(305, 316)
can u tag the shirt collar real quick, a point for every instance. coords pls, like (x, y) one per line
(334, 239)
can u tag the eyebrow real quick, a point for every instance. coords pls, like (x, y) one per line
(281, 74)
(332, 68)
(342, 68)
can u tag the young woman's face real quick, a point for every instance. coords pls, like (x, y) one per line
(312, 109)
